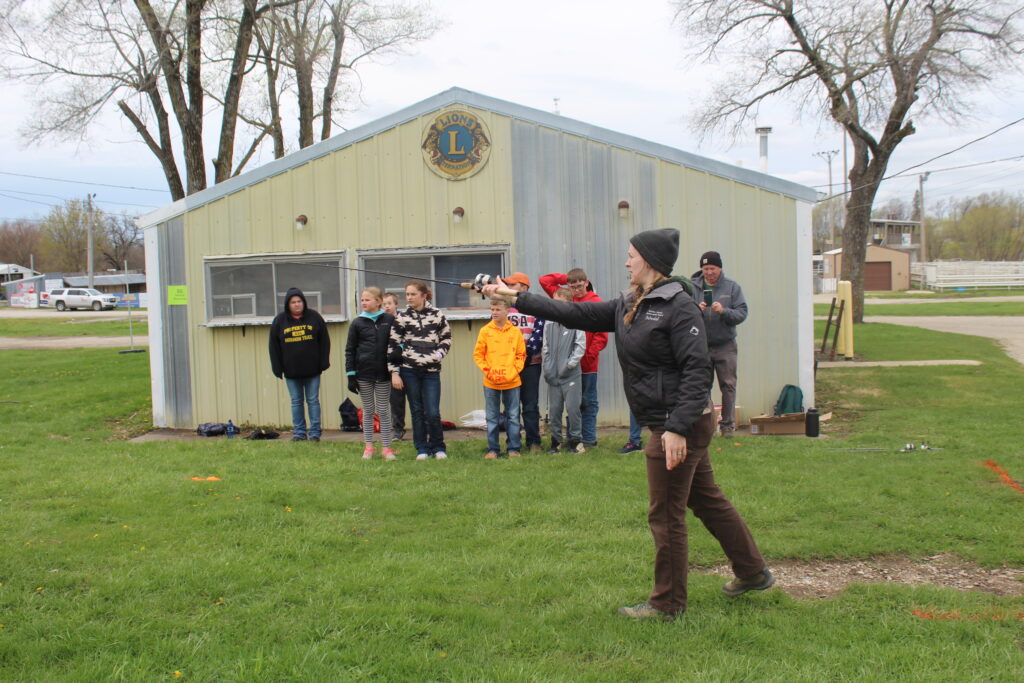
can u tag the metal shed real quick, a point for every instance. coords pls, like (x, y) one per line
(535, 192)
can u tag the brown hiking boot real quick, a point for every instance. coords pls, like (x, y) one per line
(758, 582)
(645, 610)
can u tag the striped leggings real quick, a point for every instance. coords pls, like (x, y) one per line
(376, 398)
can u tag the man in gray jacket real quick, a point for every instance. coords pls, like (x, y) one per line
(724, 307)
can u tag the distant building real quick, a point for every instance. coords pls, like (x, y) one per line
(110, 284)
(26, 291)
(9, 272)
(899, 235)
(885, 269)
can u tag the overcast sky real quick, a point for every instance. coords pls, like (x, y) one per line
(617, 65)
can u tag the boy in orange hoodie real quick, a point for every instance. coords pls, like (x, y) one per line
(500, 353)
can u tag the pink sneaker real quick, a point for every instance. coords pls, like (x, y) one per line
(368, 452)
(389, 454)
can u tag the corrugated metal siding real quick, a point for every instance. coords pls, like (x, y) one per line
(174, 331)
(377, 193)
(755, 232)
(566, 192)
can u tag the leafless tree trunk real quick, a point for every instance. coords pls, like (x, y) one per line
(863, 62)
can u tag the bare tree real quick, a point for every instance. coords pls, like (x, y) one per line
(870, 65)
(158, 62)
(319, 41)
(895, 209)
(19, 242)
(122, 241)
(822, 216)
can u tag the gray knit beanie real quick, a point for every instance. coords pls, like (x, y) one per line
(659, 248)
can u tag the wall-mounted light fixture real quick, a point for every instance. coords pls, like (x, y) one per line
(623, 209)
(457, 213)
(300, 221)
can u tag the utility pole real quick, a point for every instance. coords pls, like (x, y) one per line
(88, 223)
(827, 156)
(920, 198)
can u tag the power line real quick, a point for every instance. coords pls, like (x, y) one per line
(966, 144)
(928, 161)
(1019, 157)
(82, 182)
(51, 205)
(67, 199)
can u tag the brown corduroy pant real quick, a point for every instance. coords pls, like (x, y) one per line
(691, 484)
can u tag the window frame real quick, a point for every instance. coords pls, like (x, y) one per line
(272, 258)
(501, 250)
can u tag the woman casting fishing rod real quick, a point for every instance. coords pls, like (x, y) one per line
(666, 371)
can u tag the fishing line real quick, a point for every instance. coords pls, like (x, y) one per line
(451, 283)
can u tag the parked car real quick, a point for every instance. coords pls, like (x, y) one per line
(63, 299)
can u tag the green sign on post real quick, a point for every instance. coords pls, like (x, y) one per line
(177, 295)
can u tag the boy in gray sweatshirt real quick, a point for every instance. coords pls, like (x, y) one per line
(561, 353)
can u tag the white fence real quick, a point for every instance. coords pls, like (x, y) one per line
(943, 275)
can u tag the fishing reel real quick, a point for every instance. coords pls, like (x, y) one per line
(480, 281)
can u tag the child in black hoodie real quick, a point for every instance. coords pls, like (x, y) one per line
(300, 350)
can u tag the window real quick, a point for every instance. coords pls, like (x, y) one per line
(392, 270)
(251, 289)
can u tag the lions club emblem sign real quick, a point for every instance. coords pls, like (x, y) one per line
(456, 144)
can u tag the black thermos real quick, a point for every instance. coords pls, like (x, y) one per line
(811, 422)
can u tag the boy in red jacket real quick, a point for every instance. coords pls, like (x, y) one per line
(578, 283)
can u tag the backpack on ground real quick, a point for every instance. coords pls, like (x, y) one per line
(376, 420)
(261, 434)
(791, 400)
(212, 429)
(349, 416)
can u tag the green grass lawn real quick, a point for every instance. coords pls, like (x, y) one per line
(941, 308)
(307, 563)
(72, 327)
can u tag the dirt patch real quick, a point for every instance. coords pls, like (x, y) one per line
(826, 578)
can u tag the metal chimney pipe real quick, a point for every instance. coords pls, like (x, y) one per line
(763, 132)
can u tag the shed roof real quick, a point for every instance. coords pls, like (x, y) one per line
(454, 96)
(12, 268)
(106, 280)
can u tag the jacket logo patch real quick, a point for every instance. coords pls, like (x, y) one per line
(654, 316)
(694, 331)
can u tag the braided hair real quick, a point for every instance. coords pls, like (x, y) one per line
(639, 292)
